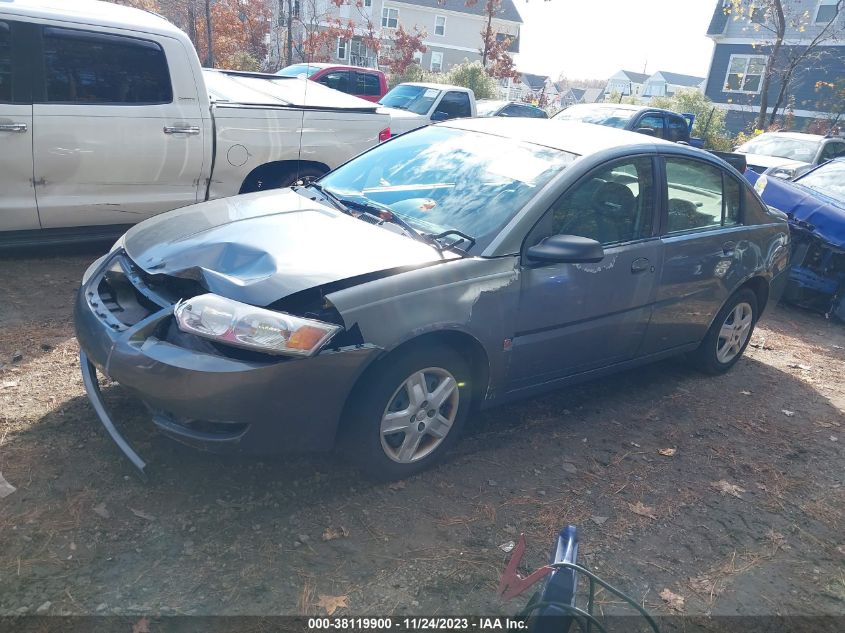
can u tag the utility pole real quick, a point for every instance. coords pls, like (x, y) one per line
(209, 58)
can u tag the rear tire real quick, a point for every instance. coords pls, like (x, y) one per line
(729, 334)
(407, 414)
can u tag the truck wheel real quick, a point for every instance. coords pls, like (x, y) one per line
(405, 417)
(729, 334)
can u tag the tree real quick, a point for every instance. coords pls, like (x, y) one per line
(473, 75)
(404, 47)
(774, 19)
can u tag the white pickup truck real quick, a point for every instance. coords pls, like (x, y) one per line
(107, 118)
(412, 105)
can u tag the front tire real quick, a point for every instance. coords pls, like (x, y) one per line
(729, 334)
(408, 413)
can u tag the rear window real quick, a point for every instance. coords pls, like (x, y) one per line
(5, 62)
(95, 68)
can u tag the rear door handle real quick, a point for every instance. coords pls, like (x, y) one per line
(728, 248)
(181, 129)
(640, 265)
(13, 127)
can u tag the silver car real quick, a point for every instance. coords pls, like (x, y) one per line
(453, 268)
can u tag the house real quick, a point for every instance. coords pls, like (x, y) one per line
(453, 29)
(742, 49)
(666, 84)
(625, 83)
(529, 87)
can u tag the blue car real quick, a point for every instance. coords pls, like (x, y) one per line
(815, 206)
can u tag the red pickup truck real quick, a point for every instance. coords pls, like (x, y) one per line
(366, 83)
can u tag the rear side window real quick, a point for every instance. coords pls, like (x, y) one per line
(368, 85)
(455, 104)
(96, 68)
(5, 62)
(700, 196)
(677, 129)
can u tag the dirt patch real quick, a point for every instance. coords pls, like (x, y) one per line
(743, 516)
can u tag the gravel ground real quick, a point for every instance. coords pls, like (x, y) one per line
(742, 516)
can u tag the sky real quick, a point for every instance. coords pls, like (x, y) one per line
(593, 39)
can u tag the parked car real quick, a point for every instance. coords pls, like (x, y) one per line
(364, 83)
(111, 119)
(791, 153)
(413, 105)
(815, 205)
(490, 107)
(663, 124)
(459, 266)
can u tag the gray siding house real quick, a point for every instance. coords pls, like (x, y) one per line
(742, 48)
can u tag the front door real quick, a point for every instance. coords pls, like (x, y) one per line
(17, 195)
(118, 129)
(578, 317)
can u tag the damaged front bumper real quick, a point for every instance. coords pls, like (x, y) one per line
(198, 395)
(817, 274)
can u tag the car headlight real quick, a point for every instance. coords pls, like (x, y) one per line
(241, 325)
(780, 172)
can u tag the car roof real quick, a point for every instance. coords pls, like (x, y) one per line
(323, 65)
(92, 13)
(568, 136)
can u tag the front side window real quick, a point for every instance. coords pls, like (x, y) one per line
(337, 80)
(745, 73)
(614, 205)
(652, 122)
(95, 68)
(455, 105)
(441, 178)
(5, 62)
(440, 25)
(698, 197)
(833, 149)
(436, 61)
(389, 18)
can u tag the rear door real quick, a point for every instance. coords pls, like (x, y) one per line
(17, 194)
(118, 128)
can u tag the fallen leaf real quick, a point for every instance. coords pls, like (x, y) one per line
(141, 626)
(397, 485)
(598, 520)
(100, 510)
(642, 510)
(142, 514)
(507, 546)
(668, 452)
(833, 438)
(672, 600)
(727, 488)
(332, 533)
(333, 603)
(9, 384)
(787, 412)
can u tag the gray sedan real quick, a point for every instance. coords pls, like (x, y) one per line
(457, 267)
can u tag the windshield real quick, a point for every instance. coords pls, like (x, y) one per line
(803, 150)
(488, 108)
(414, 98)
(298, 70)
(441, 178)
(601, 115)
(829, 179)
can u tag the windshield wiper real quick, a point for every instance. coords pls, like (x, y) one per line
(454, 245)
(328, 195)
(386, 214)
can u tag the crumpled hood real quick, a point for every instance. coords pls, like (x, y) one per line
(764, 161)
(402, 121)
(258, 248)
(819, 214)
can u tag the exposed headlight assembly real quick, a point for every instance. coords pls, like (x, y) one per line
(241, 325)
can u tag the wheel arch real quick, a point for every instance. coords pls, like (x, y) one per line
(255, 178)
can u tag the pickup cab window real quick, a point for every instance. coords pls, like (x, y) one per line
(5, 62)
(653, 122)
(455, 105)
(368, 85)
(677, 128)
(339, 80)
(97, 68)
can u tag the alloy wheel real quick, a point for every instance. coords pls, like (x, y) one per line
(734, 332)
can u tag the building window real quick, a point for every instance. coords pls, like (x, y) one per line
(745, 73)
(436, 61)
(440, 25)
(418, 57)
(389, 18)
(826, 11)
(341, 48)
(368, 3)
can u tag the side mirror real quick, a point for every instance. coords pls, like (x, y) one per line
(439, 115)
(566, 249)
(646, 130)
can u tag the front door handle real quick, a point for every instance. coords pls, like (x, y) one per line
(13, 127)
(181, 129)
(728, 248)
(641, 265)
